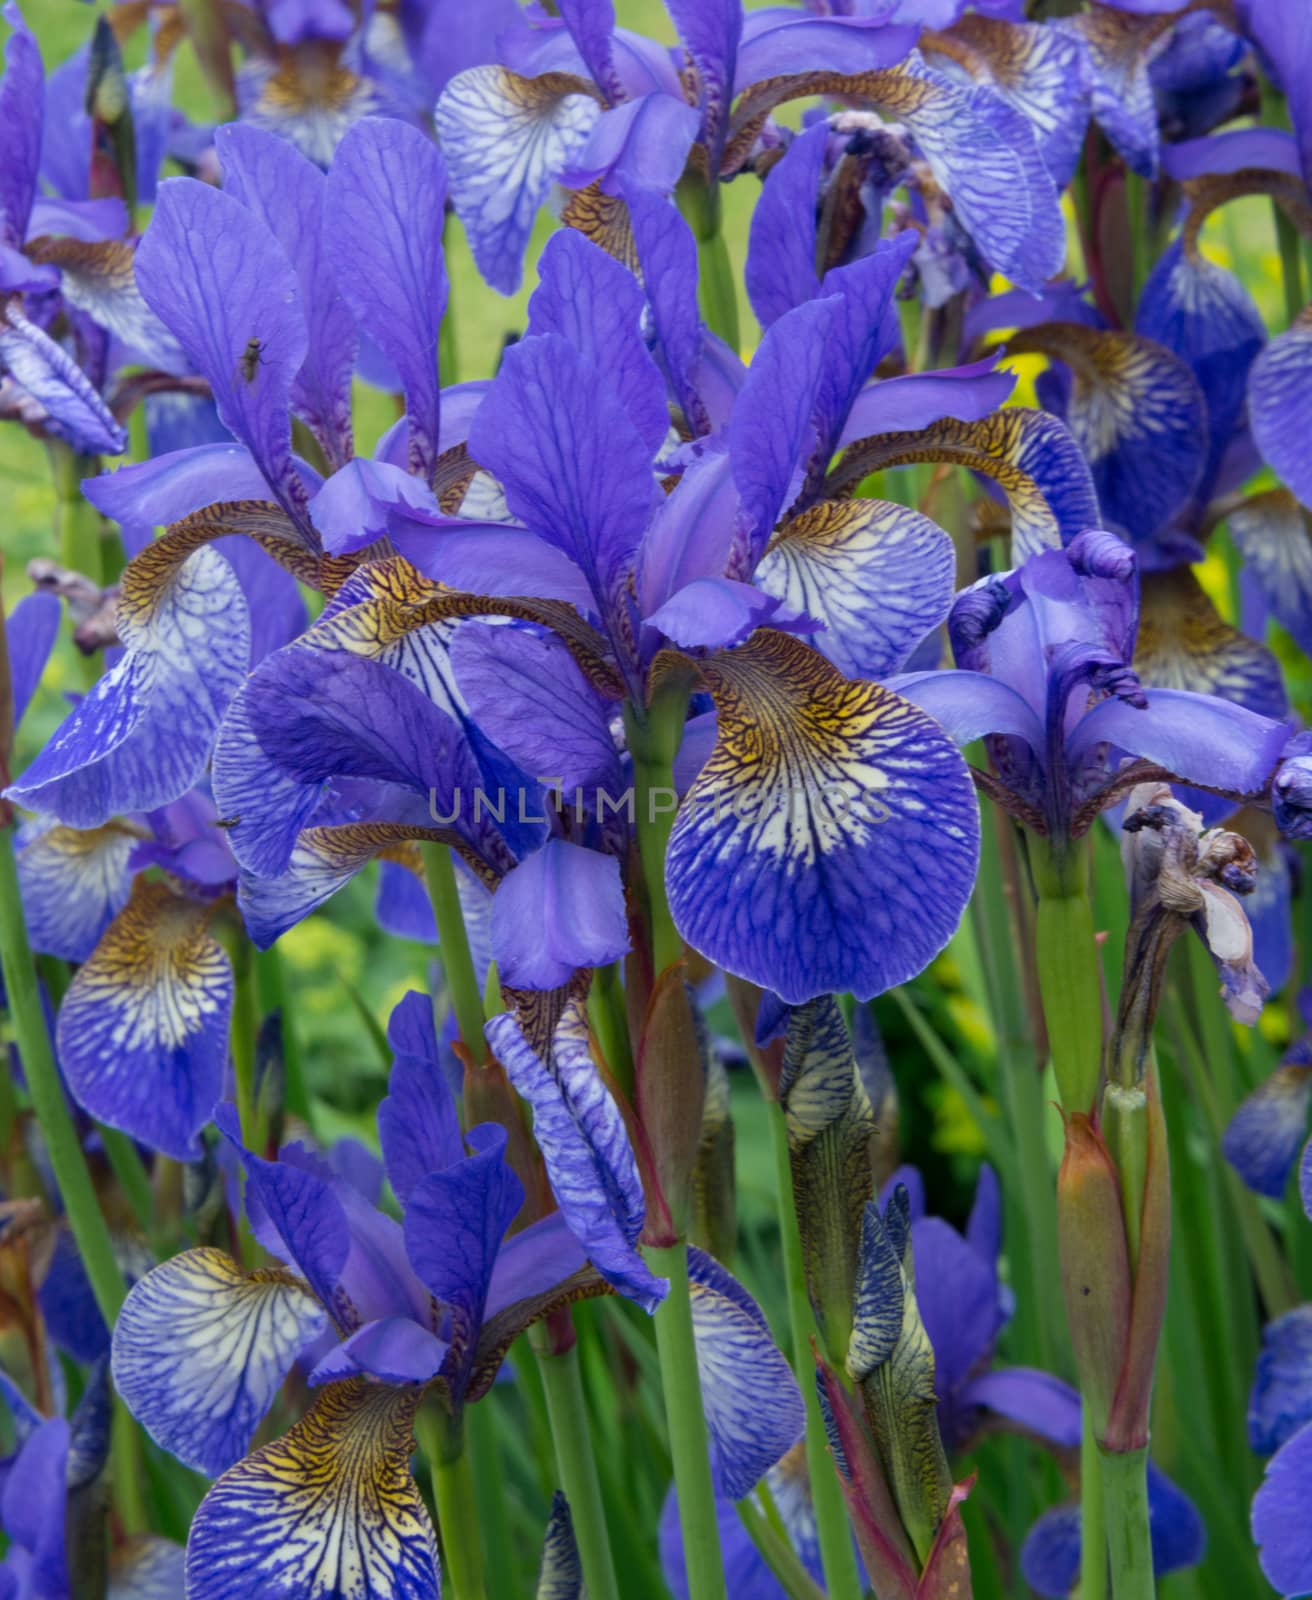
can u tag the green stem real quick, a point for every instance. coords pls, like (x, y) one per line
(716, 285)
(490, 1490)
(653, 740)
(453, 948)
(132, 1176)
(245, 1026)
(606, 1012)
(126, 1473)
(832, 1529)
(779, 1555)
(1093, 1530)
(1275, 113)
(75, 1187)
(686, 1422)
(79, 527)
(1070, 984)
(442, 1442)
(1125, 1506)
(272, 994)
(567, 1408)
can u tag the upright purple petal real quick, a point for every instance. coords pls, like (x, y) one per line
(559, 910)
(780, 271)
(417, 1123)
(22, 92)
(588, 298)
(1282, 1529)
(385, 195)
(30, 632)
(277, 184)
(710, 31)
(667, 259)
(220, 282)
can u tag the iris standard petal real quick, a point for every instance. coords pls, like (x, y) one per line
(201, 1350)
(287, 193)
(575, 469)
(830, 841)
(143, 1029)
(585, 1144)
(505, 138)
(1281, 1528)
(754, 1411)
(30, 631)
(21, 120)
(781, 241)
(418, 1123)
(589, 299)
(877, 575)
(667, 260)
(385, 194)
(222, 284)
(328, 1510)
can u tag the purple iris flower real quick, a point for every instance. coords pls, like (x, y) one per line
(1263, 1138)
(1280, 1421)
(578, 101)
(71, 315)
(384, 1310)
(43, 1497)
(1045, 654)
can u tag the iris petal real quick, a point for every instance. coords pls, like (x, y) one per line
(1266, 1133)
(50, 375)
(1281, 1400)
(147, 1568)
(97, 278)
(838, 812)
(201, 1351)
(143, 1030)
(1280, 1521)
(505, 138)
(878, 575)
(417, 1123)
(1279, 408)
(330, 1511)
(74, 883)
(1273, 533)
(754, 1411)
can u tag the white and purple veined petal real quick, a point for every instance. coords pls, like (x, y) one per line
(74, 882)
(201, 1350)
(72, 409)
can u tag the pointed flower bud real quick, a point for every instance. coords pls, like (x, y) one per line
(1095, 1264)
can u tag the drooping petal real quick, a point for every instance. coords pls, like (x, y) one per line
(840, 813)
(1032, 458)
(219, 280)
(1138, 414)
(142, 736)
(1278, 405)
(1198, 737)
(418, 1124)
(287, 193)
(1207, 317)
(585, 1144)
(957, 1293)
(505, 138)
(1281, 1399)
(1184, 643)
(74, 883)
(754, 1411)
(560, 909)
(146, 1567)
(1119, 52)
(143, 1029)
(575, 469)
(592, 301)
(385, 193)
(879, 576)
(201, 1350)
(1281, 1528)
(329, 1510)
(31, 629)
(1034, 1401)
(72, 409)
(1273, 533)
(1266, 1133)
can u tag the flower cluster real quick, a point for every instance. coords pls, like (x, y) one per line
(689, 698)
